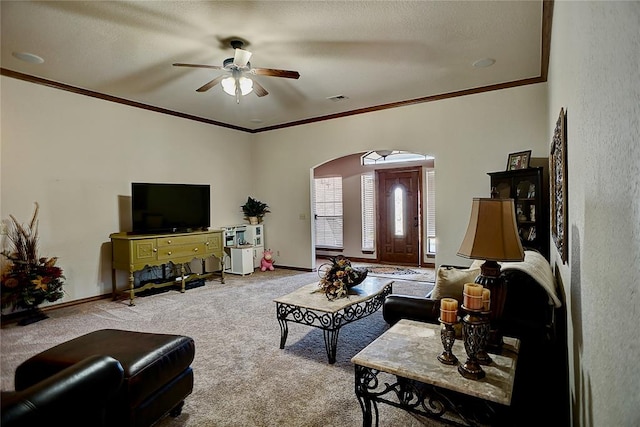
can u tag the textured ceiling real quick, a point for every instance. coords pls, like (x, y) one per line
(374, 53)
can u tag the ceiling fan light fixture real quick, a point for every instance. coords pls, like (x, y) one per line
(235, 83)
(241, 58)
(246, 85)
(229, 85)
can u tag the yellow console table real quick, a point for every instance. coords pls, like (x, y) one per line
(134, 252)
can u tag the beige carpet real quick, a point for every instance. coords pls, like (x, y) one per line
(242, 377)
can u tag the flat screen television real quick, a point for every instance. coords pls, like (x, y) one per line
(169, 208)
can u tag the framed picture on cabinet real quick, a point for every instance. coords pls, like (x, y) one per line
(518, 160)
(558, 184)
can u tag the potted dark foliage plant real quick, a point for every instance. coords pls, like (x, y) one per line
(254, 210)
(28, 280)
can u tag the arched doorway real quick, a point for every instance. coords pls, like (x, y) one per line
(403, 246)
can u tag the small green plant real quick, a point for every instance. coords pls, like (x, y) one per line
(254, 208)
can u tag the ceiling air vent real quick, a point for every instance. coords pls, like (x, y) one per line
(337, 98)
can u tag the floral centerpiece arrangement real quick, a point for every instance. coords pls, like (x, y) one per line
(338, 276)
(27, 279)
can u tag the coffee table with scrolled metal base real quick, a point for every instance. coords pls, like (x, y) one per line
(309, 307)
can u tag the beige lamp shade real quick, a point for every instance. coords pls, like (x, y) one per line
(492, 234)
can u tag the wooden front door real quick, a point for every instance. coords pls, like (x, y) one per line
(399, 215)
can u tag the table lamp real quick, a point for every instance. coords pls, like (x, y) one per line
(492, 236)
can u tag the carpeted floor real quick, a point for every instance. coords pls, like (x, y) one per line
(242, 377)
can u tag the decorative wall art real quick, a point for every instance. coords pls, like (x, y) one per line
(518, 160)
(558, 191)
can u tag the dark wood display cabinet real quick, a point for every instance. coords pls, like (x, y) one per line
(529, 188)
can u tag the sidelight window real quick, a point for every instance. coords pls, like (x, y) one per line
(327, 202)
(368, 211)
(431, 212)
(398, 211)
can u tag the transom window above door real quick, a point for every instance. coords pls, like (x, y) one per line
(392, 156)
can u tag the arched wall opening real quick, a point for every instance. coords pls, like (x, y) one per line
(350, 169)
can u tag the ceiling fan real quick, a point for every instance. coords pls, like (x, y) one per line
(235, 81)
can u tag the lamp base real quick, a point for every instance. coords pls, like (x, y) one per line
(490, 278)
(471, 370)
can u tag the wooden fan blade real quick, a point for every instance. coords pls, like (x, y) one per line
(275, 73)
(259, 90)
(209, 85)
(214, 67)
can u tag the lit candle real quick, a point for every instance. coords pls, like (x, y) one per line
(473, 296)
(448, 310)
(486, 299)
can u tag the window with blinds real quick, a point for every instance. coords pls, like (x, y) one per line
(368, 211)
(327, 202)
(431, 212)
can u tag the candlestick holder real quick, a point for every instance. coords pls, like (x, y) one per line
(448, 337)
(484, 332)
(475, 332)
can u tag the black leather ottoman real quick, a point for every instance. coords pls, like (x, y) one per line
(157, 372)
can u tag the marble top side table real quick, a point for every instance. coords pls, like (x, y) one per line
(423, 385)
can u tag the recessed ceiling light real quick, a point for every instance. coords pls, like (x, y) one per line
(484, 62)
(256, 120)
(28, 57)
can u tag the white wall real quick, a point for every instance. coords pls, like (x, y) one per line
(595, 75)
(77, 156)
(468, 136)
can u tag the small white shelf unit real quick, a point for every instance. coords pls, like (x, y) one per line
(243, 247)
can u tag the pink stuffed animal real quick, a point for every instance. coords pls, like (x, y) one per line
(267, 261)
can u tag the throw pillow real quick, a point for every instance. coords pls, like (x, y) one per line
(450, 281)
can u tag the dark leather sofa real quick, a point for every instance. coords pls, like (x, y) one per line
(527, 315)
(75, 396)
(541, 384)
